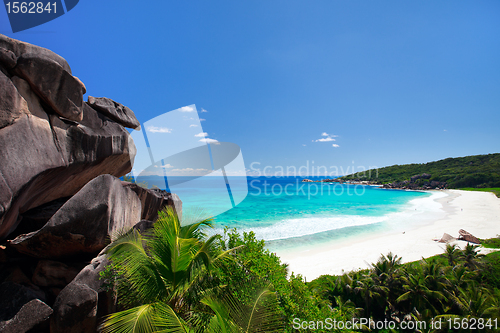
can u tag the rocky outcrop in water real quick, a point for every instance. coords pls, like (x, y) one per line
(60, 199)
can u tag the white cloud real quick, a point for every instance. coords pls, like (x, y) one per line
(335, 145)
(201, 135)
(189, 171)
(184, 170)
(325, 139)
(193, 125)
(208, 140)
(154, 129)
(168, 166)
(186, 109)
(203, 110)
(201, 119)
(304, 145)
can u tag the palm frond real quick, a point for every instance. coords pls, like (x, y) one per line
(167, 321)
(135, 320)
(263, 314)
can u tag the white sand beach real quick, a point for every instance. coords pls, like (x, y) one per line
(475, 212)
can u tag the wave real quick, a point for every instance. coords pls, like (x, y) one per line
(415, 211)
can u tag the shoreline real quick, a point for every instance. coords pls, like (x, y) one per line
(475, 212)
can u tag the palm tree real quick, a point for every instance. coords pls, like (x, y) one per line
(452, 253)
(372, 294)
(421, 297)
(472, 302)
(165, 280)
(386, 266)
(386, 273)
(346, 310)
(471, 256)
(434, 274)
(459, 277)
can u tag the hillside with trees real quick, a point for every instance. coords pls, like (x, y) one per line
(479, 171)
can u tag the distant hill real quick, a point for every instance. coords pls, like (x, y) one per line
(479, 171)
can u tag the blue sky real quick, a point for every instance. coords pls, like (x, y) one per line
(392, 82)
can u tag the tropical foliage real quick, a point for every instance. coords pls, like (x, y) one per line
(458, 284)
(166, 282)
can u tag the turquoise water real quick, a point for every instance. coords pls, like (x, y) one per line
(314, 212)
(286, 212)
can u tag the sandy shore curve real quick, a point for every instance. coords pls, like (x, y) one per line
(475, 212)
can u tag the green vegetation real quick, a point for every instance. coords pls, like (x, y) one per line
(167, 281)
(255, 267)
(457, 284)
(492, 243)
(480, 171)
(131, 179)
(176, 279)
(495, 190)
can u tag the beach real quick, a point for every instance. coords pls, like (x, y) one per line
(475, 212)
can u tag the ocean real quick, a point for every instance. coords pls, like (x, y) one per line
(288, 213)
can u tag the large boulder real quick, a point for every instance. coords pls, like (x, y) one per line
(154, 200)
(7, 58)
(52, 142)
(13, 296)
(19, 48)
(86, 222)
(75, 310)
(12, 104)
(31, 316)
(80, 303)
(55, 86)
(116, 111)
(49, 157)
(49, 273)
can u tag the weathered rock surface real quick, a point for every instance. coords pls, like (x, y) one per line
(86, 222)
(37, 217)
(17, 276)
(19, 48)
(77, 306)
(13, 297)
(8, 58)
(447, 238)
(50, 273)
(33, 314)
(75, 310)
(53, 84)
(59, 157)
(58, 141)
(116, 111)
(154, 200)
(12, 104)
(143, 226)
(56, 158)
(468, 237)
